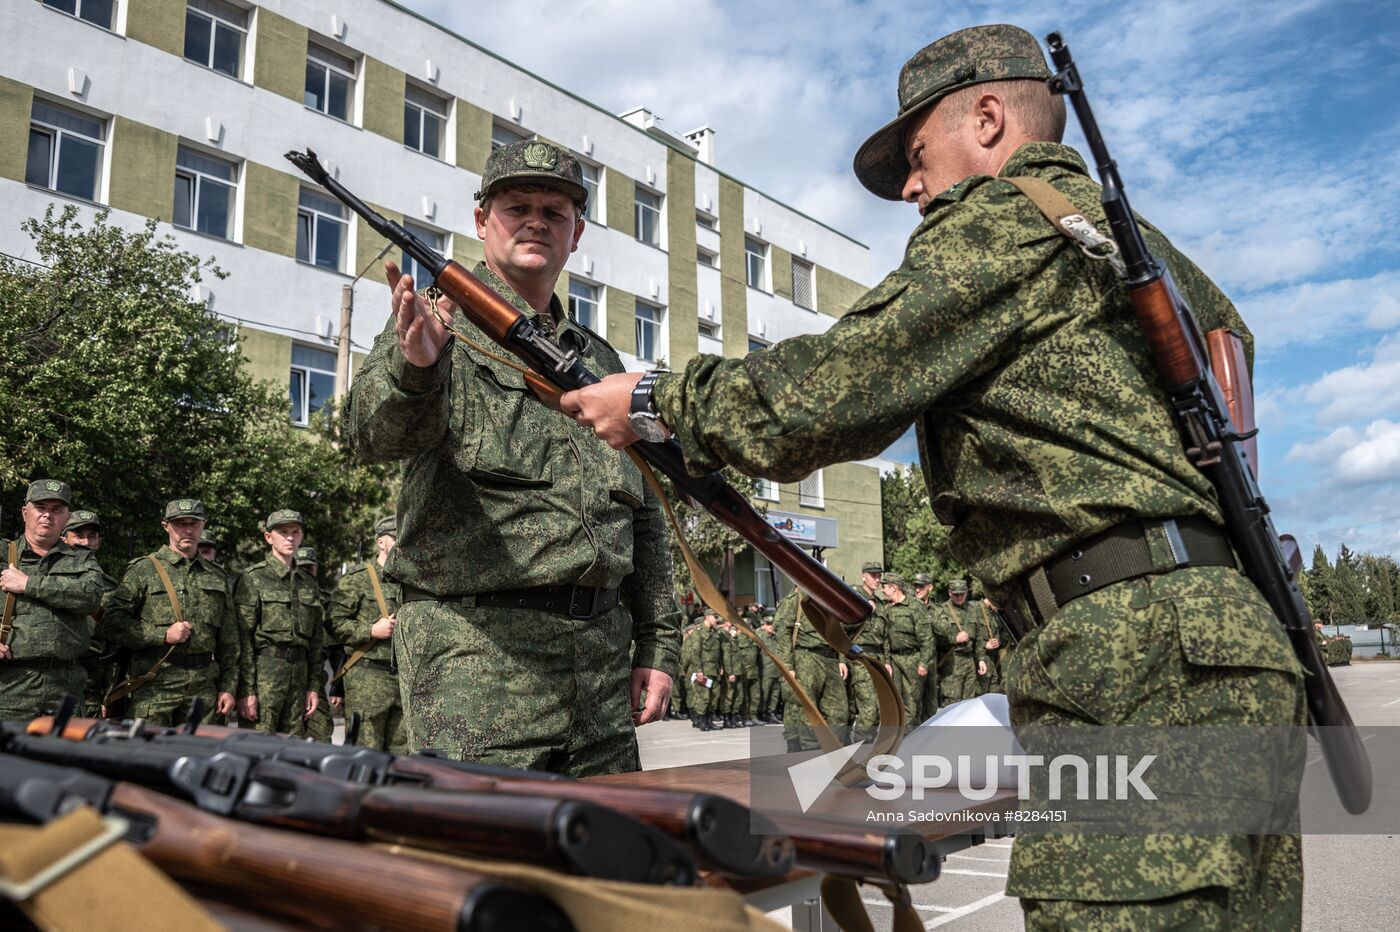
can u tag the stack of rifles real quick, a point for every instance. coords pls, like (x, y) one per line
(292, 831)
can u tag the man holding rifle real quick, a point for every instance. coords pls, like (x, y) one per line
(1049, 448)
(537, 606)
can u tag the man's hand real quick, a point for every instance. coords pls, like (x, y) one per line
(178, 633)
(4, 652)
(658, 687)
(961, 638)
(421, 335)
(981, 668)
(889, 670)
(922, 670)
(604, 408)
(224, 705)
(13, 579)
(312, 702)
(336, 701)
(248, 708)
(843, 669)
(993, 644)
(383, 628)
(732, 678)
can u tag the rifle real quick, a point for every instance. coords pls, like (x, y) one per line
(348, 884)
(724, 835)
(567, 835)
(1217, 447)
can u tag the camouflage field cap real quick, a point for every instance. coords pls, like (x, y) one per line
(769, 611)
(921, 579)
(386, 525)
(283, 516)
(184, 508)
(49, 490)
(207, 538)
(967, 57)
(957, 587)
(81, 519)
(306, 556)
(872, 568)
(893, 579)
(534, 162)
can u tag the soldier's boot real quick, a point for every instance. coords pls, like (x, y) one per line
(794, 744)
(694, 719)
(707, 723)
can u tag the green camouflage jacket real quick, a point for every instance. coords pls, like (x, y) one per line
(909, 630)
(949, 619)
(1041, 418)
(499, 492)
(278, 606)
(53, 616)
(354, 611)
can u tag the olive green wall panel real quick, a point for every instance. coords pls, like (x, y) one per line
(143, 169)
(270, 209)
(160, 23)
(621, 195)
(733, 292)
(683, 312)
(279, 59)
(16, 105)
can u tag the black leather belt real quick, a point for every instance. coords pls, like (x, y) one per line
(190, 661)
(284, 652)
(384, 666)
(1120, 553)
(828, 652)
(571, 601)
(37, 663)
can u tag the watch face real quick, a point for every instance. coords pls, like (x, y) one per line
(647, 427)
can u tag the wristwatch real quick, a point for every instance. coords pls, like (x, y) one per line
(642, 414)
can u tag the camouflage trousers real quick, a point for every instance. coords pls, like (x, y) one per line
(820, 677)
(27, 691)
(865, 704)
(957, 678)
(928, 694)
(517, 687)
(1195, 647)
(281, 695)
(769, 693)
(165, 701)
(699, 699)
(374, 693)
(743, 696)
(910, 685)
(992, 682)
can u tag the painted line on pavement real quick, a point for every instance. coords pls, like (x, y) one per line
(1390, 703)
(967, 910)
(872, 901)
(963, 873)
(971, 857)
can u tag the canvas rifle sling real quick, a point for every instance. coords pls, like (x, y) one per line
(132, 683)
(364, 648)
(7, 620)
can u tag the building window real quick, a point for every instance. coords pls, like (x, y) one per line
(708, 328)
(330, 82)
(205, 190)
(756, 259)
(65, 151)
(422, 277)
(756, 344)
(766, 489)
(648, 217)
(809, 491)
(706, 257)
(704, 220)
(424, 121)
(803, 286)
(593, 181)
(312, 383)
(97, 12)
(321, 230)
(504, 136)
(648, 331)
(583, 304)
(214, 34)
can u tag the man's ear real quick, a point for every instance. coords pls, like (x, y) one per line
(989, 120)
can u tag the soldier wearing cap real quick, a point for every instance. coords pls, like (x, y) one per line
(209, 546)
(50, 591)
(911, 644)
(202, 641)
(83, 530)
(279, 618)
(819, 670)
(1044, 433)
(358, 621)
(319, 724)
(537, 598)
(99, 662)
(770, 679)
(960, 659)
(870, 587)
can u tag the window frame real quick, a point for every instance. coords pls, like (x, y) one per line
(302, 418)
(715, 328)
(762, 256)
(56, 135)
(594, 213)
(78, 13)
(215, 21)
(811, 283)
(806, 499)
(444, 115)
(659, 349)
(315, 213)
(767, 490)
(521, 135)
(596, 300)
(640, 210)
(331, 67)
(438, 239)
(706, 258)
(706, 221)
(198, 178)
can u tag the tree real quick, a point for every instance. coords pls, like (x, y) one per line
(926, 549)
(902, 496)
(1316, 584)
(113, 379)
(708, 538)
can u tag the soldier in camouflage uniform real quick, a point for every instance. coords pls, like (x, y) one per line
(84, 529)
(818, 670)
(960, 661)
(372, 684)
(727, 688)
(769, 680)
(873, 638)
(538, 606)
(911, 644)
(209, 549)
(55, 589)
(279, 618)
(871, 575)
(1042, 427)
(320, 726)
(996, 646)
(747, 669)
(204, 661)
(709, 659)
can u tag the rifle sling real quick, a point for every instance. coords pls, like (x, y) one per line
(364, 648)
(7, 619)
(132, 683)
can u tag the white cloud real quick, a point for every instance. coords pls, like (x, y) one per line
(1355, 458)
(1318, 311)
(1367, 390)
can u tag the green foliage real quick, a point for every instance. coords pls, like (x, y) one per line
(114, 380)
(708, 538)
(915, 541)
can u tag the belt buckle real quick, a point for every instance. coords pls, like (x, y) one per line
(593, 600)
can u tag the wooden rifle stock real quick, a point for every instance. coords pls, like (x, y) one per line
(1227, 361)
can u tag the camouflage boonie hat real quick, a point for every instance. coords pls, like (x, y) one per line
(957, 587)
(306, 556)
(534, 162)
(386, 525)
(283, 516)
(184, 508)
(921, 579)
(82, 519)
(962, 59)
(872, 568)
(207, 538)
(893, 579)
(46, 490)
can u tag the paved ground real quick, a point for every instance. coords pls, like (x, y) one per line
(1349, 879)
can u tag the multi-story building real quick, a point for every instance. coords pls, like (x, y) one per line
(181, 110)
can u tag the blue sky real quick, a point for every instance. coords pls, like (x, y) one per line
(1261, 137)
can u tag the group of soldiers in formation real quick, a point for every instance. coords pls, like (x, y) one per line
(937, 652)
(178, 626)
